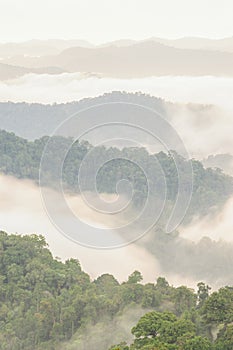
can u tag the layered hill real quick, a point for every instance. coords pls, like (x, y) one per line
(143, 59)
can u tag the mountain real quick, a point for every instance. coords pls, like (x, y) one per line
(22, 159)
(11, 72)
(119, 43)
(193, 43)
(36, 48)
(35, 120)
(8, 72)
(147, 58)
(225, 45)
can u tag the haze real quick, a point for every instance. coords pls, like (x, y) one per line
(100, 21)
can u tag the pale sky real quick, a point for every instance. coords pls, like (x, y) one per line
(99, 21)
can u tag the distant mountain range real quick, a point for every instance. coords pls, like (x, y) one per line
(55, 46)
(36, 48)
(224, 45)
(12, 72)
(120, 59)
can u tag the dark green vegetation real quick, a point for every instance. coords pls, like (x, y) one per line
(207, 260)
(204, 326)
(45, 304)
(21, 158)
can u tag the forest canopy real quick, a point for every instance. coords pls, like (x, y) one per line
(47, 304)
(21, 158)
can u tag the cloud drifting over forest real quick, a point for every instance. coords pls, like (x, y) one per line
(75, 86)
(22, 211)
(203, 134)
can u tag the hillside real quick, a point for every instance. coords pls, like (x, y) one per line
(21, 158)
(35, 120)
(54, 305)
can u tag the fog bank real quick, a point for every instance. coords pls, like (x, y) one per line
(216, 227)
(204, 130)
(22, 211)
(68, 87)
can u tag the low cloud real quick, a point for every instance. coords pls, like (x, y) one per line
(217, 227)
(204, 130)
(22, 211)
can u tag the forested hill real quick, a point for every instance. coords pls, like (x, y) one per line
(21, 158)
(48, 304)
(36, 120)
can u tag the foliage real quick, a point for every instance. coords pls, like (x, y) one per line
(21, 158)
(163, 330)
(44, 302)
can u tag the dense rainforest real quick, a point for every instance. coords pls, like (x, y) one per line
(49, 304)
(21, 158)
(207, 259)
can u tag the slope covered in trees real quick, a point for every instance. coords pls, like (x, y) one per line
(34, 120)
(21, 158)
(207, 259)
(46, 303)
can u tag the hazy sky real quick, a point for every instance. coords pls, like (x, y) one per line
(103, 20)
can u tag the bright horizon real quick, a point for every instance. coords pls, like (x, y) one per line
(119, 39)
(131, 19)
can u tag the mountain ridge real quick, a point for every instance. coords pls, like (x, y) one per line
(142, 59)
